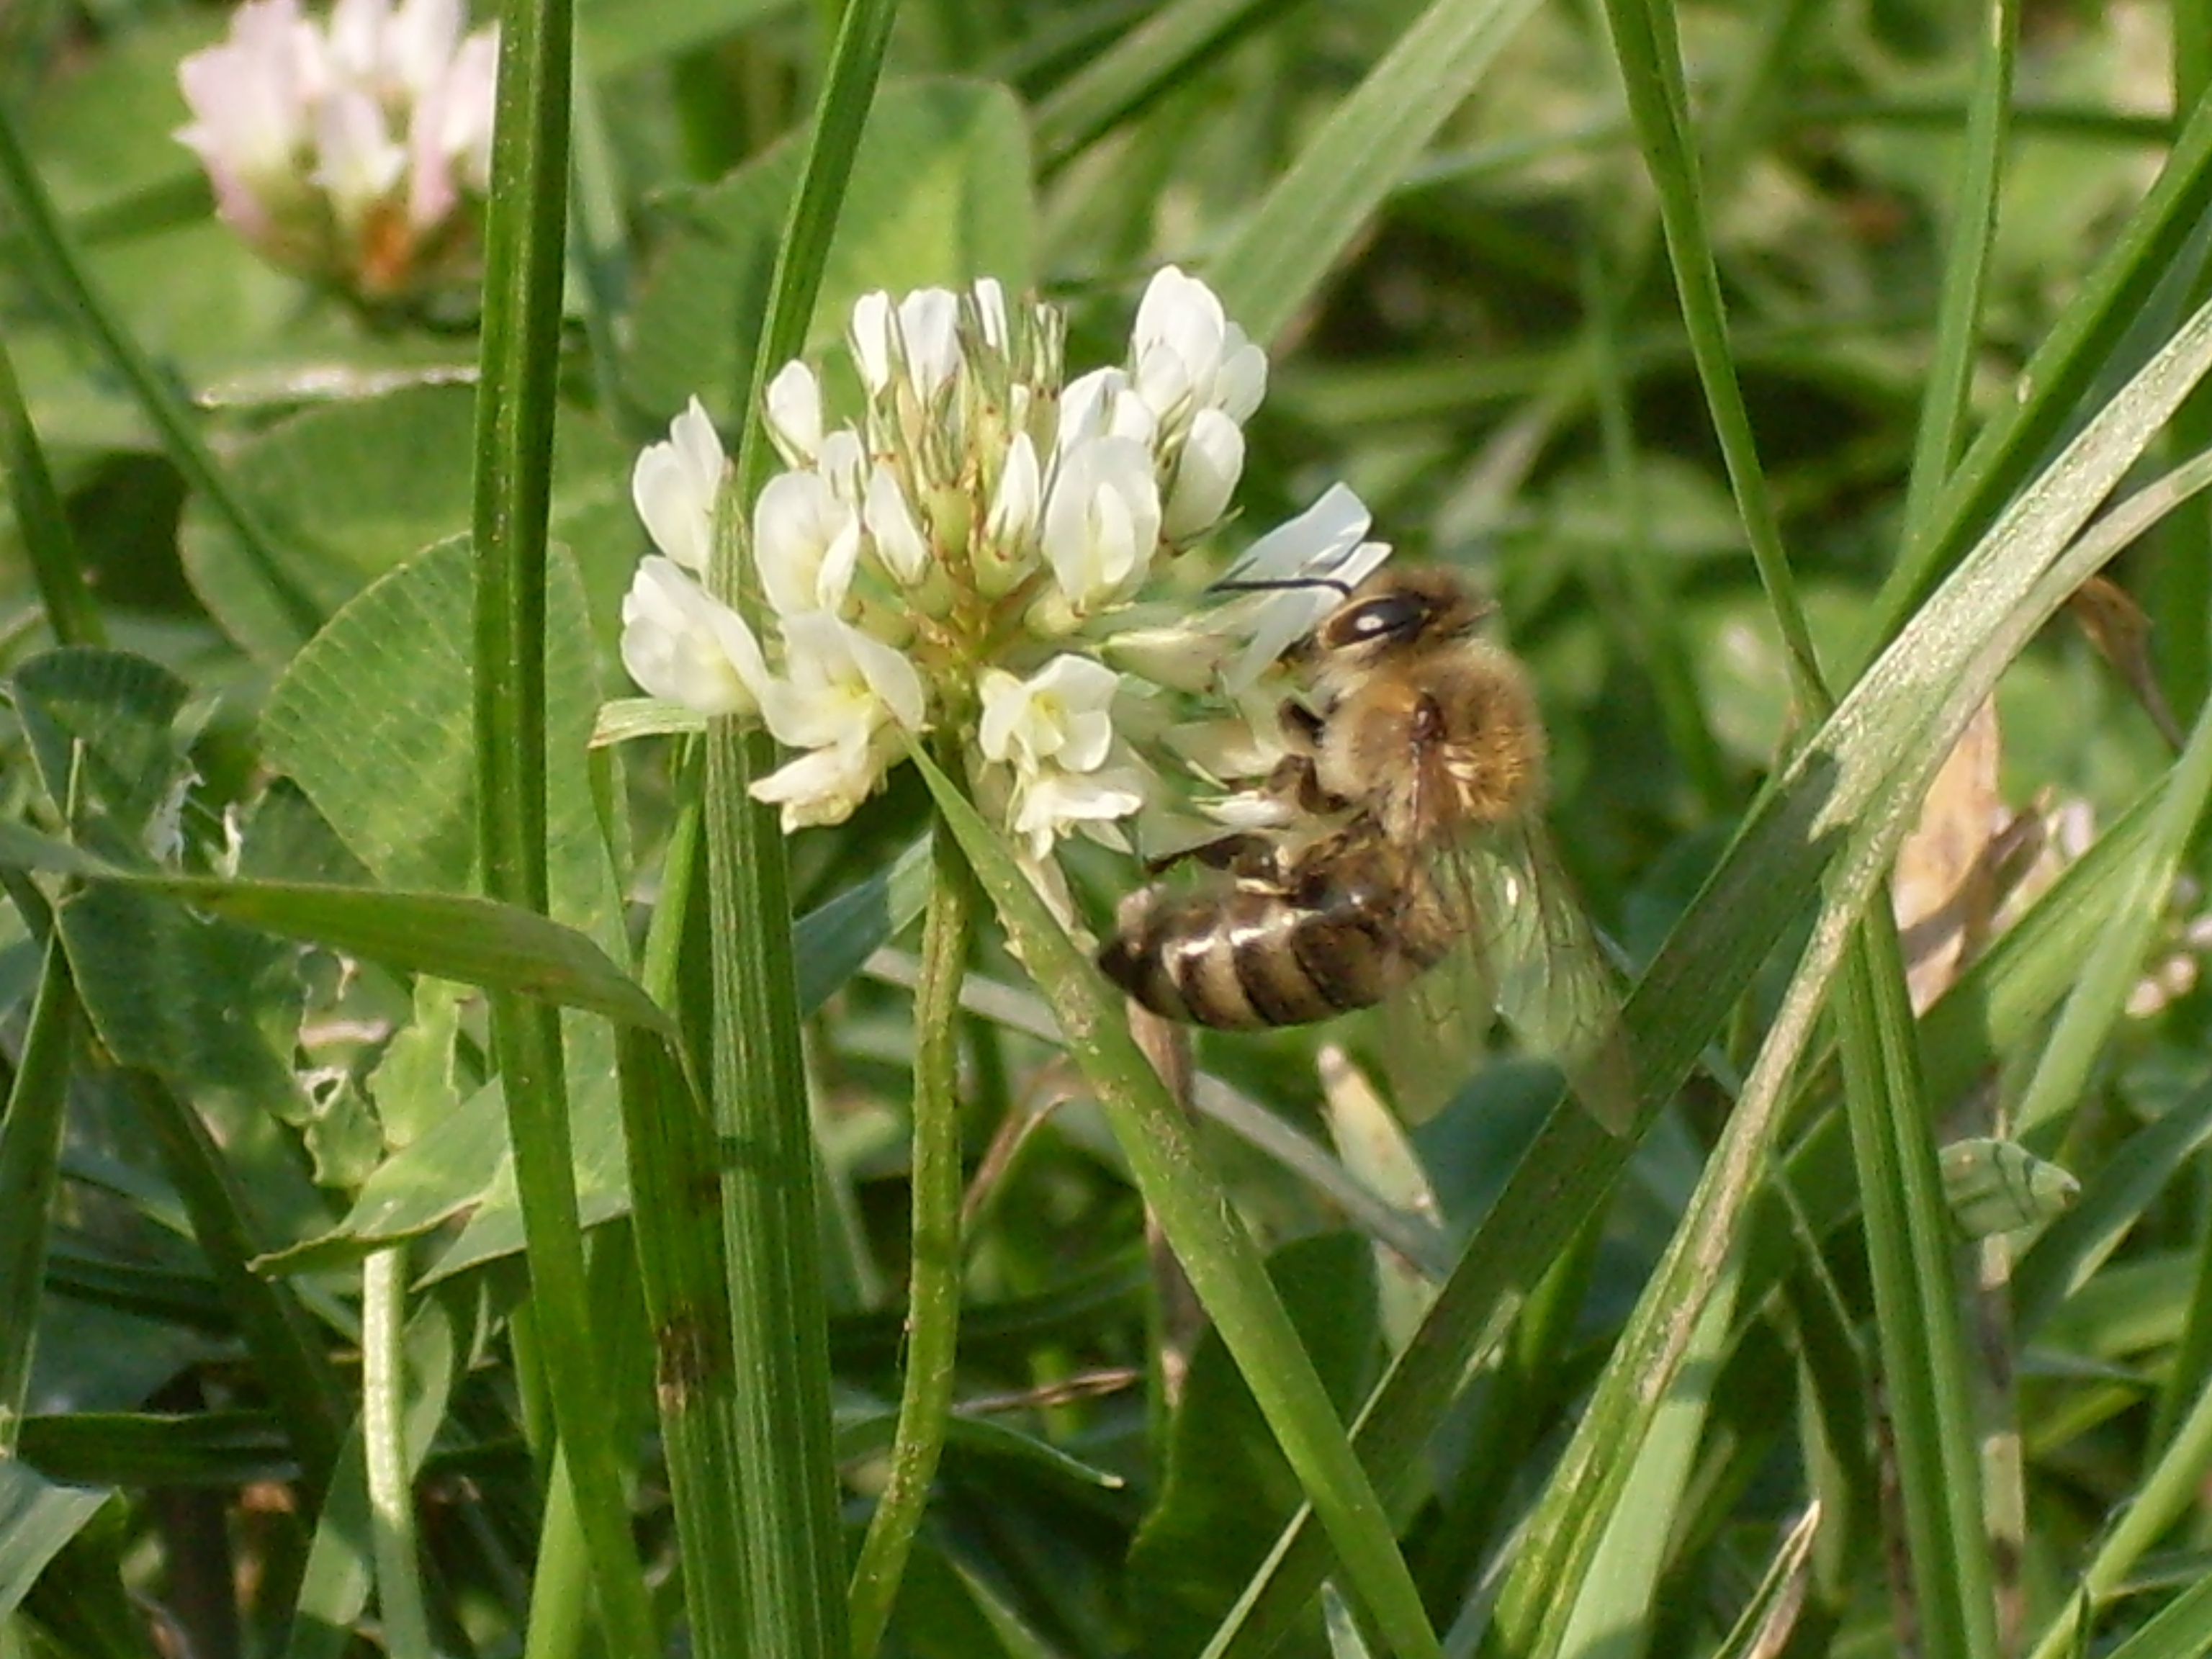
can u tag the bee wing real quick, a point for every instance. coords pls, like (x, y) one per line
(1436, 1029)
(1552, 980)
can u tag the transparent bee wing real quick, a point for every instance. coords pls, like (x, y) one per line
(1552, 980)
(1436, 1031)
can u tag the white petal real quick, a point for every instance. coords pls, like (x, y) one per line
(899, 541)
(1307, 545)
(1012, 518)
(356, 35)
(462, 132)
(1243, 381)
(676, 487)
(991, 310)
(1182, 656)
(1102, 521)
(806, 543)
(1006, 704)
(842, 686)
(357, 160)
(1294, 611)
(1101, 403)
(929, 320)
(794, 413)
(870, 336)
(1212, 461)
(1078, 693)
(822, 786)
(681, 643)
(1048, 807)
(420, 44)
(892, 678)
(1176, 346)
(843, 463)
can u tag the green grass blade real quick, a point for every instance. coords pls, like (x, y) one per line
(1651, 74)
(453, 936)
(2165, 1491)
(1943, 406)
(1271, 267)
(2082, 346)
(2114, 963)
(30, 1158)
(1143, 64)
(1910, 1248)
(791, 1560)
(400, 1607)
(525, 232)
(933, 1273)
(43, 523)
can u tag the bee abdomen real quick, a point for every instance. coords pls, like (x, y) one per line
(1247, 959)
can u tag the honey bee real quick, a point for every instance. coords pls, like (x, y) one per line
(1411, 801)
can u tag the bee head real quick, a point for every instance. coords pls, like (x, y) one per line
(1395, 610)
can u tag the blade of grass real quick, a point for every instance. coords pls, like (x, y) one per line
(1917, 1296)
(384, 1437)
(30, 1162)
(1943, 405)
(668, 1140)
(2115, 963)
(2165, 1493)
(1271, 267)
(452, 936)
(1216, 1254)
(1907, 1227)
(1651, 75)
(40, 520)
(1145, 63)
(790, 1550)
(2080, 347)
(524, 233)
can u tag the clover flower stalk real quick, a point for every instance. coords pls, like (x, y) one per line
(979, 557)
(356, 154)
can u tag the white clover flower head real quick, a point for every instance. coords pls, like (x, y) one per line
(354, 154)
(969, 554)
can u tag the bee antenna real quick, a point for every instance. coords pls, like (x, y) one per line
(1288, 584)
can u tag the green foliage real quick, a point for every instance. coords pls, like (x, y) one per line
(454, 1198)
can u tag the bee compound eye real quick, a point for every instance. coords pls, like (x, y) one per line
(1388, 617)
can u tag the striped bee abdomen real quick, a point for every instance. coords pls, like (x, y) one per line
(1250, 956)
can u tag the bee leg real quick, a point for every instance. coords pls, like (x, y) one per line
(1302, 727)
(1241, 853)
(1297, 779)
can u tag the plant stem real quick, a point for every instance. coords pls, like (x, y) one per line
(932, 1324)
(384, 1433)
